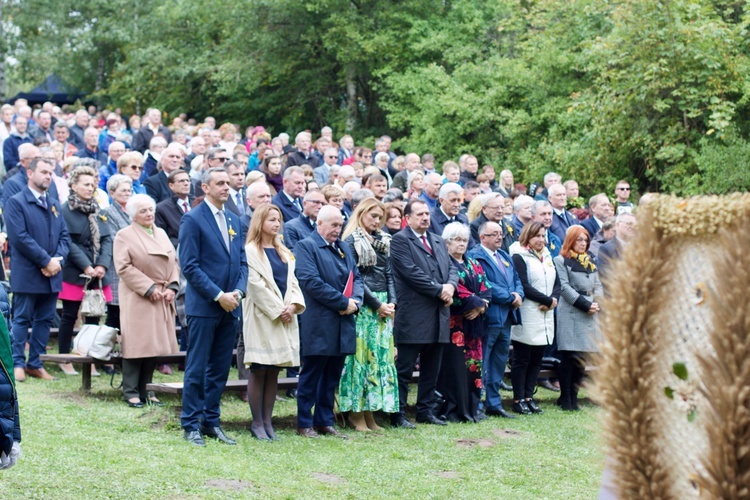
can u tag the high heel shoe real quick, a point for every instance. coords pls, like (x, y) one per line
(260, 437)
(357, 420)
(67, 369)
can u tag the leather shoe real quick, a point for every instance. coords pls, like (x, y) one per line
(505, 387)
(39, 373)
(533, 406)
(19, 374)
(521, 407)
(401, 421)
(135, 404)
(307, 432)
(548, 385)
(431, 419)
(499, 413)
(217, 433)
(291, 393)
(194, 438)
(329, 430)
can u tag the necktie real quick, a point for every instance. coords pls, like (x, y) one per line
(240, 206)
(184, 206)
(501, 265)
(426, 245)
(43, 201)
(223, 226)
(298, 204)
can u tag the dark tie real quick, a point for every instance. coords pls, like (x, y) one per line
(184, 207)
(426, 245)
(43, 201)
(240, 206)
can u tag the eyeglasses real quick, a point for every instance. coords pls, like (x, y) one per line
(136, 167)
(623, 189)
(493, 235)
(332, 156)
(582, 239)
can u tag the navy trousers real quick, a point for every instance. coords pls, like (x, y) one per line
(318, 381)
(36, 311)
(495, 359)
(209, 356)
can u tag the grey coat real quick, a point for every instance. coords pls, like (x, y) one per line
(576, 329)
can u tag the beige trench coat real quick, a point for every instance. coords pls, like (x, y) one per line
(141, 261)
(268, 340)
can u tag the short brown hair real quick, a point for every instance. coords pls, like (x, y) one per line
(530, 230)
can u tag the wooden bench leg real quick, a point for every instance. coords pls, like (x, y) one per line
(86, 377)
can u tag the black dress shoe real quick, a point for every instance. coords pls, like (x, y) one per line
(548, 385)
(194, 438)
(505, 387)
(307, 432)
(521, 407)
(329, 430)
(533, 406)
(431, 419)
(291, 393)
(499, 413)
(217, 433)
(401, 421)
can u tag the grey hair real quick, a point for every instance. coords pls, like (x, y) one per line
(360, 195)
(521, 201)
(560, 188)
(291, 170)
(135, 202)
(448, 188)
(114, 182)
(489, 197)
(413, 175)
(381, 155)
(539, 204)
(206, 176)
(455, 230)
(60, 124)
(329, 212)
(551, 175)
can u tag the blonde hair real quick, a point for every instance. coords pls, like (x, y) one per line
(365, 206)
(79, 172)
(255, 231)
(130, 156)
(475, 208)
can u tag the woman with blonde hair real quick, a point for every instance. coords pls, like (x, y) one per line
(369, 382)
(131, 164)
(270, 329)
(414, 184)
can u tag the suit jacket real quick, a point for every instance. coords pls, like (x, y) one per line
(288, 209)
(208, 266)
(168, 217)
(142, 138)
(296, 157)
(35, 236)
(231, 204)
(421, 317)
(504, 282)
(157, 187)
(18, 182)
(608, 252)
(245, 223)
(322, 275)
(508, 237)
(321, 174)
(97, 155)
(438, 221)
(297, 230)
(591, 226)
(561, 223)
(81, 253)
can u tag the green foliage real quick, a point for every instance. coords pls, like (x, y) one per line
(654, 92)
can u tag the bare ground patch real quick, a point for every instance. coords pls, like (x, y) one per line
(328, 478)
(507, 433)
(229, 484)
(474, 443)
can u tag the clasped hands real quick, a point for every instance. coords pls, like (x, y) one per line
(287, 314)
(53, 267)
(167, 295)
(544, 308)
(594, 308)
(229, 301)
(517, 300)
(386, 310)
(446, 295)
(351, 308)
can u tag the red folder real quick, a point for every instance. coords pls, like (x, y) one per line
(349, 288)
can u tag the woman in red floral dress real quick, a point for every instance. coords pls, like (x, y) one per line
(460, 380)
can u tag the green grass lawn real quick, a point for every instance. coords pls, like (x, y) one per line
(78, 445)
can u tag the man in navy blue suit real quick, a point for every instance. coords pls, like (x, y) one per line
(289, 199)
(212, 256)
(561, 218)
(303, 226)
(327, 327)
(39, 243)
(507, 295)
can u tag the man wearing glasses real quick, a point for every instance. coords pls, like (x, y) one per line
(323, 172)
(214, 158)
(492, 211)
(157, 186)
(622, 194)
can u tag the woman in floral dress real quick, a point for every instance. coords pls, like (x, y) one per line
(460, 380)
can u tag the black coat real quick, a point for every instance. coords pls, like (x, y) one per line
(157, 187)
(377, 278)
(421, 317)
(296, 230)
(508, 237)
(168, 217)
(81, 254)
(142, 138)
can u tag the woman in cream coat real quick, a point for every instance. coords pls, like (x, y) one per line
(270, 329)
(146, 262)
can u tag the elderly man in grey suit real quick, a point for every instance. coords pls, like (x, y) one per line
(425, 280)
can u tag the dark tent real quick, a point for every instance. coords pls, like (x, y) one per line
(52, 89)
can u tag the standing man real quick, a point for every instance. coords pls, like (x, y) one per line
(609, 252)
(492, 210)
(142, 138)
(431, 191)
(213, 263)
(14, 141)
(507, 296)
(78, 128)
(623, 205)
(601, 209)
(541, 211)
(157, 186)
(425, 281)
(169, 212)
(449, 208)
(323, 172)
(39, 243)
(236, 202)
(302, 155)
(326, 268)
(303, 226)
(522, 207)
(62, 134)
(561, 218)
(44, 126)
(257, 194)
(411, 163)
(19, 180)
(289, 199)
(91, 147)
(114, 151)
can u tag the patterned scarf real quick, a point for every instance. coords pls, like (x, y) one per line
(91, 209)
(584, 260)
(367, 245)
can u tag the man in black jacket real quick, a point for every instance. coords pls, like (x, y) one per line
(303, 155)
(157, 186)
(169, 212)
(143, 137)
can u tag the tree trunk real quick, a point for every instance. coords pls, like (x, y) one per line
(351, 97)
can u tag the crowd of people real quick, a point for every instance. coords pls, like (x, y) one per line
(349, 266)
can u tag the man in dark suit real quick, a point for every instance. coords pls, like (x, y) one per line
(143, 137)
(212, 256)
(91, 148)
(19, 180)
(600, 208)
(425, 281)
(609, 252)
(256, 194)
(169, 212)
(507, 295)
(236, 202)
(39, 243)
(448, 209)
(303, 154)
(289, 199)
(157, 186)
(300, 228)
(492, 210)
(327, 327)
(561, 218)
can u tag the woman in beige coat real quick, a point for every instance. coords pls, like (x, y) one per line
(146, 262)
(270, 329)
